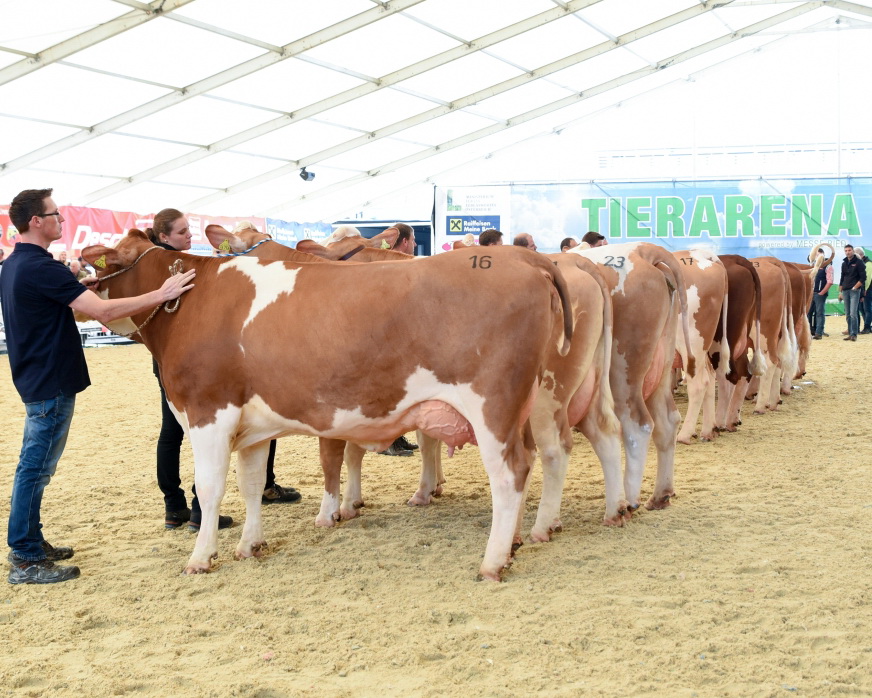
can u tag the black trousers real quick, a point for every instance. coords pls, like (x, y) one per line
(169, 448)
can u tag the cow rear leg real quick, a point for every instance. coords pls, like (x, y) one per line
(331, 452)
(431, 481)
(636, 428)
(352, 499)
(606, 443)
(708, 431)
(554, 450)
(666, 418)
(251, 479)
(211, 446)
(696, 389)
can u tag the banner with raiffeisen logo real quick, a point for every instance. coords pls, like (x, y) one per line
(784, 218)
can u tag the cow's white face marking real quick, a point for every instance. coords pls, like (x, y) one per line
(617, 257)
(269, 280)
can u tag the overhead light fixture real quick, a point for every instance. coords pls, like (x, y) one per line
(306, 176)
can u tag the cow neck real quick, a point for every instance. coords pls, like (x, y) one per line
(349, 255)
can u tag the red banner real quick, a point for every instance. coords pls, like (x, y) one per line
(97, 226)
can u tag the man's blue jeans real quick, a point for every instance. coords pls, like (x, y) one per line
(867, 302)
(851, 297)
(819, 302)
(45, 434)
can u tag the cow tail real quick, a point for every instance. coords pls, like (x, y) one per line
(608, 422)
(725, 350)
(552, 273)
(758, 364)
(669, 261)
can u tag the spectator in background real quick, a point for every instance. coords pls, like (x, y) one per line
(62, 257)
(851, 285)
(83, 264)
(490, 237)
(592, 239)
(822, 282)
(524, 240)
(2, 255)
(865, 296)
(567, 244)
(77, 270)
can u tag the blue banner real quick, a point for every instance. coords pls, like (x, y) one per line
(290, 234)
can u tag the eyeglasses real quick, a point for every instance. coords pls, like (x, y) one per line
(46, 215)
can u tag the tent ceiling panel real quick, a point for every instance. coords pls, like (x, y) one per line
(617, 17)
(28, 136)
(299, 139)
(679, 38)
(548, 43)
(445, 128)
(461, 77)
(470, 20)
(287, 85)
(277, 22)
(384, 46)
(70, 187)
(114, 155)
(737, 15)
(8, 58)
(362, 157)
(376, 109)
(71, 95)
(166, 52)
(149, 197)
(505, 105)
(597, 70)
(56, 21)
(199, 120)
(219, 171)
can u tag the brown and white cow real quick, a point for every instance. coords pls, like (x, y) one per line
(705, 279)
(276, 355)
(648, 296)
(744, 308)
(574, 390)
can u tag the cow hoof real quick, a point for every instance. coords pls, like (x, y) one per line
(419, 500)
(686, 440)
(348, 513)
(614, 521)
(487, 576)
(516, 543)
(540, 536)
(660, 502)
(707, 438)
(438, 491)
(327, 521)
(759, 411)
(198, 567)
(255, 550)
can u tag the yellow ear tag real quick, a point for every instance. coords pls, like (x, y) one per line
(100, 261)
(225, 246)
(385, 245)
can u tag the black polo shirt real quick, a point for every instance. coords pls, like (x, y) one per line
(45, 349)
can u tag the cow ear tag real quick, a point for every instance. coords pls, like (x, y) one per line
(100, 261)
(225, 246)
(385, 245)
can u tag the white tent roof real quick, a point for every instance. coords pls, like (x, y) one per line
(214, 106)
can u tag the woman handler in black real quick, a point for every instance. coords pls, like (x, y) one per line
(170, 231)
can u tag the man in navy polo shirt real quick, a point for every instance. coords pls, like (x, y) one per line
(48, 366)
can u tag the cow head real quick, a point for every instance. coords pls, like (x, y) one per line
(223, 241)
(109, 259)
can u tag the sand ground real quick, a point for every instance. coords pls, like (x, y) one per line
(754, 583)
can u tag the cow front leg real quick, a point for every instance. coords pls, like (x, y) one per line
(431, 481)
(331, 452)
(211, 446)
(352, 498)
(251, 479)
(696, 387)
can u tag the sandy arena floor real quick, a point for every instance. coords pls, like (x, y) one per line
(756, 582)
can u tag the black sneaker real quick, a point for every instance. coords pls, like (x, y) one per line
(41, 572)
(223, 521)
(403, 442)
(52, 554)
(277, 493)
(174, 519)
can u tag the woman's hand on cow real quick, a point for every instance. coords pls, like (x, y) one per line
(176, 285)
